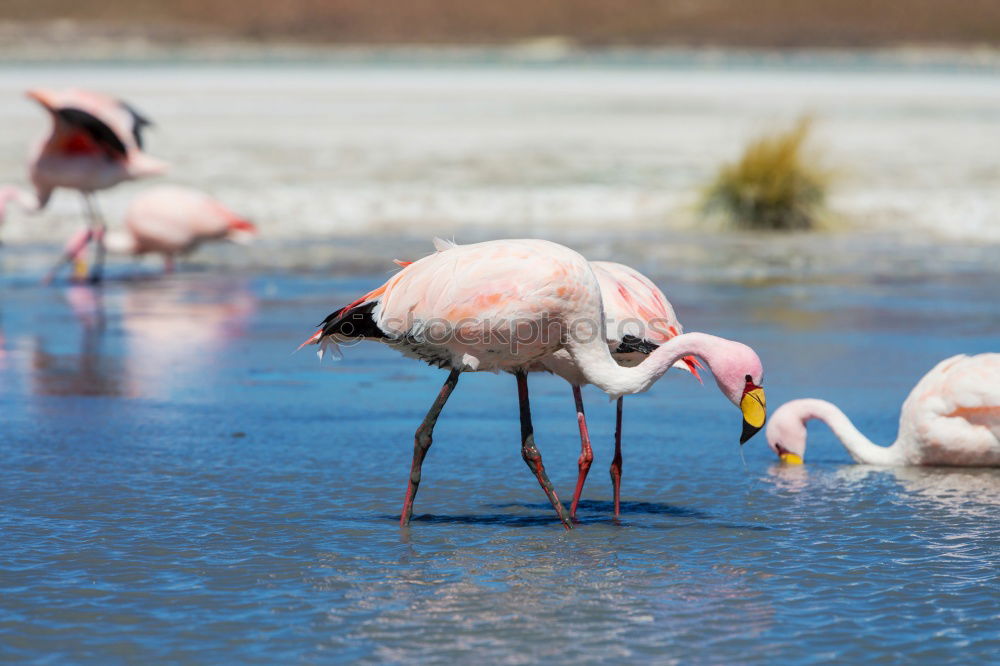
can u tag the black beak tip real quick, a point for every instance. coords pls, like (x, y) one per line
(748, 432)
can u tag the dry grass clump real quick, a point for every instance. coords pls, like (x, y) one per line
(773, 185)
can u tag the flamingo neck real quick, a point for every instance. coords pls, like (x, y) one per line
(26, 200)
(862, 449)
(601, 370)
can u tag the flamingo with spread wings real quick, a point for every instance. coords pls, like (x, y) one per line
(507, 305)
(95, 143)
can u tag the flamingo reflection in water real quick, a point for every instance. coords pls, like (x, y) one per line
(168, 329)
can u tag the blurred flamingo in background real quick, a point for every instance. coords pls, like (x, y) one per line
(169, 220)
(638, 319)
(951, 417)
(506, 305)
(95, 143)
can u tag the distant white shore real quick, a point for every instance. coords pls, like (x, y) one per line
(373, 149)
(74, 41)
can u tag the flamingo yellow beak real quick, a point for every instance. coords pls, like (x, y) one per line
(787, 457)
(80, 269)
(754, 408)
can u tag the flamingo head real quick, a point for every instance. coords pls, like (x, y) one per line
(738, 372)
(786, 434)
(241, 231)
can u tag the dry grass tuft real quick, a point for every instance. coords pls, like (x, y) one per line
(773, 185)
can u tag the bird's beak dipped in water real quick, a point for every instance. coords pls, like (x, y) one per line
(753, 404)
(789, 458)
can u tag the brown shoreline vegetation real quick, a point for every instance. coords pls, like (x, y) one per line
(774, 185)
(586, 23)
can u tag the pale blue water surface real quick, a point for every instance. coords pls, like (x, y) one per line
(178, 486)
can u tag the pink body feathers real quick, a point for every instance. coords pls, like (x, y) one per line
(173, 220)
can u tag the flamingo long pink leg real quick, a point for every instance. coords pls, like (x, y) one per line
(586, 453)
(422, 442)
(76, 246)
(530, 452)
(616, 462)
(97, 226)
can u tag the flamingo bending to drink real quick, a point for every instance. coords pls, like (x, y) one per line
(951, 417)
(506, 305)
(169, 220)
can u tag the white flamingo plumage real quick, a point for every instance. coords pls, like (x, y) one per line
(506, 305)
(95, 143)
(951, 417)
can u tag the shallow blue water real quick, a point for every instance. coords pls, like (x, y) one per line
(178, 486)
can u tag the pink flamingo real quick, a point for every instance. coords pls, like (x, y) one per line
(951, 417)
(95, 143)
(169, 220)
(504, 306)
(638, 319)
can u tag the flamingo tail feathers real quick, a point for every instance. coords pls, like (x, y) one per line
(440, 244)
(352, 321)
(312, 340)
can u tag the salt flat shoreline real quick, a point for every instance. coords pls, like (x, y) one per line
(354, 164)
(67, 42)
(722, 258)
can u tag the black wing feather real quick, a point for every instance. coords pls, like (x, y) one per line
(631, 344)
(96, 129)
(139, 122)
(352, 323)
